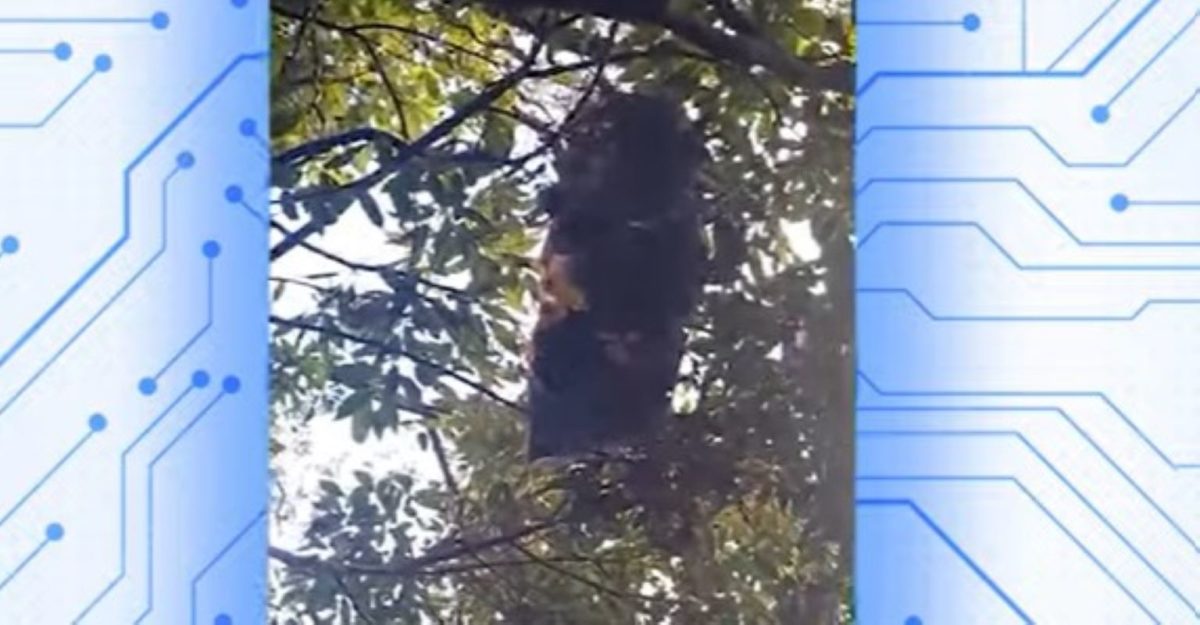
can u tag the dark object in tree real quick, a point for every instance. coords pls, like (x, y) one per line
(620, 272)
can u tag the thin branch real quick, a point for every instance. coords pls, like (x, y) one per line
(600, 65)
(358, 609)
(388, 348)
(439, 450)
(662, 50)
(402, 151)
(388, 86)
(298, 282)
(368, 45)
(450, 19)
(311, 149)
(305, 21)
(588, 581)
(411, 566)
(359, 29)
(372, 268)
(313, 79)
(452, 569)
(406, 152)
(535, 124)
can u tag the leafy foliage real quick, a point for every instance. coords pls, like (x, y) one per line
(434, 121)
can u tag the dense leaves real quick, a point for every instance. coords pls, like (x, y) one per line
(431, 125)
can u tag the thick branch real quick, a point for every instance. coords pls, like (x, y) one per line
(743, 48)
(749, 52)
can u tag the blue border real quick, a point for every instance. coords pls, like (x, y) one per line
(133, 338)
(1028, 255)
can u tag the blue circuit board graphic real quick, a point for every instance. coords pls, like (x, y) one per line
(1028, 229)
(133, 308)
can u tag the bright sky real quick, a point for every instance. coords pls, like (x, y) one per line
(324, 444)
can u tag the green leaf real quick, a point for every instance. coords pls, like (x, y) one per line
(412, 392)
(810, 22)
(354, 375)
(331, 488)
(360, 426)
(354, 403)
(498, 135)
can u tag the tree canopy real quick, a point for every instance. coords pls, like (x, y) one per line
(436, 121)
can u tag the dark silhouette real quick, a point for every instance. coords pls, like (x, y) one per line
(621, 268)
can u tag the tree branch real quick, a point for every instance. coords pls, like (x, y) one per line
(403, 151)
(358, 608)
(451, 569)
(394, 350)
(305, 21)
(443, 459)
(359, 29)
(298, 282)
(411, 566)
(373, 268)
(388, 86)
(588, 581)
(406, 152)
(748, 52)
(311, 149)
(741, 49)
